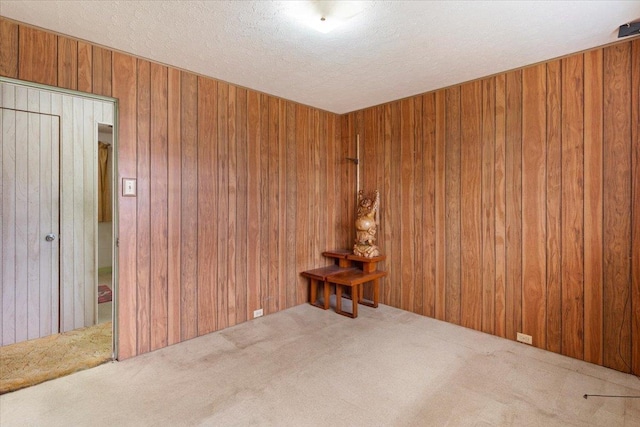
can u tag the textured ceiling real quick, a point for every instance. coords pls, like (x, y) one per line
(390, 50)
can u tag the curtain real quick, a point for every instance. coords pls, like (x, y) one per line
(104, 191)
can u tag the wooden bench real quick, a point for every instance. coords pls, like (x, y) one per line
(321, 275)
(355, 279)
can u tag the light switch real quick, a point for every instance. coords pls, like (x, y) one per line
(128, 187)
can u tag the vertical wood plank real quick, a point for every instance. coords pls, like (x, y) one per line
(534, 153)
(207, 204)
(593, 206)
(264, 202)
(143, 240)
(418, 207)
(406, 192)
(232, 212)
(572, 207)
(158, 205)
(48, 172)
(254, 250)
(189, 202)
(273, 225)
(174, 200)
(38, 57)
(222, 211)
(89, 210)
(635, 226)
(8, 49)
(500, 208)
(124, 88)
(32, 222)
(617, 206)
(440, 205)
(471, 205)
(387, 229)
(488, 200)
(452, 207)
(78, 189)
(8, 223)
(291, 196)
(101, 71)
(553, 205)
(64, 108)
(21, 232)
(85, 69)
(395, 262)
(242, 208)
(302, 200)
(428, 202)
(513, 194)
(67, 63)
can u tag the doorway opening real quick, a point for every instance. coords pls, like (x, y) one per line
(55, 320)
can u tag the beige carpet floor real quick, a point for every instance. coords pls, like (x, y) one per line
(32, 362)
(309, 367)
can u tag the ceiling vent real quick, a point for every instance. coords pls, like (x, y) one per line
(630, 29)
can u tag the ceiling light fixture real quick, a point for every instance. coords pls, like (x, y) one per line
(324, 16)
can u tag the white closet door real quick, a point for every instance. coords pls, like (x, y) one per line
(30, 225)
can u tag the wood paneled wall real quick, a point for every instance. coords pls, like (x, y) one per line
(512, 204)
(237, 191)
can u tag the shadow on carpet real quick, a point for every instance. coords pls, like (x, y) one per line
(35, 361)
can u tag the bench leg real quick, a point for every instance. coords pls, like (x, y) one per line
(354, 301)
(376, 294)
(327, 294)
(313, 293)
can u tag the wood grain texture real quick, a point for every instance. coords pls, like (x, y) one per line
(84, 63)
(487, 185)
(440, 206)
(572, 207)
(242, 155)
(617, 207)
(143, 197)
(207, 206)
(174, 202)
(232, 214)
(164, 122)
(500, 207)
(553, 207)
(67, 63)
(124, 89)
(101, 71)
(407, 186)
(635, 203)
(452, 205)
(593, 238)
(384, 127)
(189, 201)
(513, 198)
(254, 207)
(471, 205)
(38, 56)
(534, 154)
(158, 175)
(8, 48)
(221, 178)
(428, 204)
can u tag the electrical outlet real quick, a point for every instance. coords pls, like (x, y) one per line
(257, 313)
(527, 339)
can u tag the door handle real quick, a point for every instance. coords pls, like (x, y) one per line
(50, 237)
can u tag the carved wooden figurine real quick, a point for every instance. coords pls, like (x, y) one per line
(366, 225)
